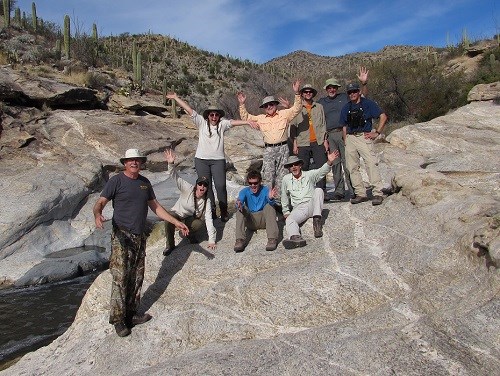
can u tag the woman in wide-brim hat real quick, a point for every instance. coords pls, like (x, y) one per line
(210, 159)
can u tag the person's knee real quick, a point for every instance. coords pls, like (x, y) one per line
(319, 193)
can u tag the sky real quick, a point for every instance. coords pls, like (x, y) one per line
(260, 30)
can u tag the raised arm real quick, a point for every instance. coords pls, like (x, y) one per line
(251, 123)
(363, 79)
(172, 95)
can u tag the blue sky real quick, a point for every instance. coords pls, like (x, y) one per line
(260, 30)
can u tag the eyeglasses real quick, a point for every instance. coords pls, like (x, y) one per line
(308, 92)
(253, 182)
(269, 105)
(202, 183)
(214, 114)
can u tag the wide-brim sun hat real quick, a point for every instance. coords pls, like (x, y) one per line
(309, 87)
(331, 82)
(132, 154)
(269, 99)
(213, 109)
(291, 160)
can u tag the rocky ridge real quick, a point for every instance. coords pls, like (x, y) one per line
(410, 287)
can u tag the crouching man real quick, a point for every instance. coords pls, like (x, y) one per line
(255, 206)
(300, 199)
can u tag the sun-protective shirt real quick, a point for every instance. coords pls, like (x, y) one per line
(274, 128)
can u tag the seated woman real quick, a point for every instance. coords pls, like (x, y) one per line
(190, 208)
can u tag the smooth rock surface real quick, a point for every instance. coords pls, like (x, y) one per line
(409, 287)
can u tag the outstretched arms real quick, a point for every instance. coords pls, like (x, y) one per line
(180, 102)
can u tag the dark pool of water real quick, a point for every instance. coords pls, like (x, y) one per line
(33, 317)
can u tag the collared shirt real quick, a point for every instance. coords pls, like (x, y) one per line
(255, 202)
(300, 126)
(371, 110)
(295, 191)
(274, 128)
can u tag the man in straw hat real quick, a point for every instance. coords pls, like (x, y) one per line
(131, 194)
(301, 199)
(332, 105)
(274, 127)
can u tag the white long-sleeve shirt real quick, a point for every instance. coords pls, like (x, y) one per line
(184, 207)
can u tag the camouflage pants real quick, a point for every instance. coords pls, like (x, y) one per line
(272, 166)
(126, 265)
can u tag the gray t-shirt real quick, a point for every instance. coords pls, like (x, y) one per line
(332, 108)
(130, 201)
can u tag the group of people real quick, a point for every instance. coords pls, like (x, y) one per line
(335, 131)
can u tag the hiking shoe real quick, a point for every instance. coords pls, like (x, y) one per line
(239, 246)
(295, 241)
(272, 244)
(377, 200)
(122, 330)
(317, 227)
(141, 319)
(224, 216)
(337, 197)
(359, 199)
(168, 250)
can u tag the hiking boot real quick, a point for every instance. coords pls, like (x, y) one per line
(317, 227)
(295, 241)
(214, 214)
(272, 244)
(377, 200)
(359, 199)
(141, 319)
(168, 250)
(224, 216)
(337, 197)
(239, 246)
(122, 330)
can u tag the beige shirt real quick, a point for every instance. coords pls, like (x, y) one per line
(274, 128)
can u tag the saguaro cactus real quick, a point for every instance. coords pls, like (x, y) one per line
(138, 72)
(34, 20)
(17, 16)
(95, 42)
(67, 36)
(6, 12)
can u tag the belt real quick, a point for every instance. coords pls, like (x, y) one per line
(278, 144)
(335, 130)
(357, 133)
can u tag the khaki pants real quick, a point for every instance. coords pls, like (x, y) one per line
(357, 146)
(266, 218)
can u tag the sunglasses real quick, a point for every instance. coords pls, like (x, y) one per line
(352, 92)
(253, 182)
(214, 114)
(269, 105)
(295, 164)
(202, 183)
(308, 92)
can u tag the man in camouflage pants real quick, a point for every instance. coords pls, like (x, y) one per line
(274, 127)
(132, 194)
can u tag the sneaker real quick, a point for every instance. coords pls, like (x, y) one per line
(141, 319)
(122, 330)
(272, 244)
(377, 200)
(295, 241)
(359, 199)
(239, 246)
(168, 250)
(317, 227)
